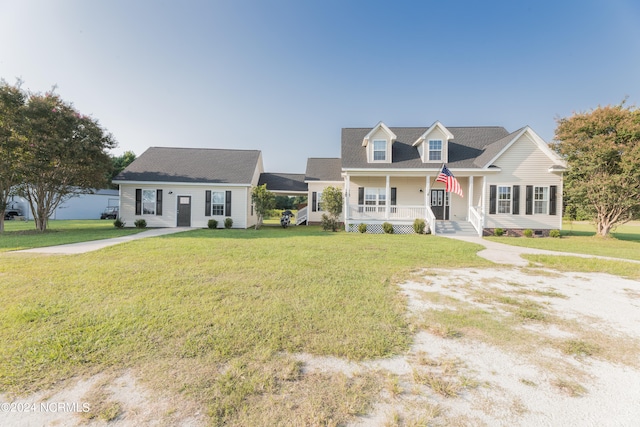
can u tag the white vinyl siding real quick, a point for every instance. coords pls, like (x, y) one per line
(524, 163)
(240, 200)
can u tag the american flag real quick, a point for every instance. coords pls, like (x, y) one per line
(451, 183)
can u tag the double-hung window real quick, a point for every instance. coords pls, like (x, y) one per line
(148, 202)
(217, 203)
(435, 149)
(540, 200)
(379, 150)
(375, 199)
(504, 200)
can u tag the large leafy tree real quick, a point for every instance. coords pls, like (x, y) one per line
(64, 154)
(602, 149)
(12, 100)
(263, 200)
(119, 163)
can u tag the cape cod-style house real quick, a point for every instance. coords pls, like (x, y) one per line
(508, 180)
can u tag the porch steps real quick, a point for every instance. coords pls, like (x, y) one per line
(459, 228)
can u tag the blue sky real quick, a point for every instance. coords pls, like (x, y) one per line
(285, 76)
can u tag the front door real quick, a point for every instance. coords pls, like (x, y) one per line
(440, 204)
(184, 211)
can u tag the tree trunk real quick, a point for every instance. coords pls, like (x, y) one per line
(259, 223)
(2, 222)
(603, 228)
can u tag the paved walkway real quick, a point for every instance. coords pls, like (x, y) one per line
(94, 245)
(501, 253)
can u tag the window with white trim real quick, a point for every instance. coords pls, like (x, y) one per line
(435, 149)
(319, 201)
(540, 200)
(504, 200)
(148, 202)
(379, 150)
(217, 203)
(375, 199)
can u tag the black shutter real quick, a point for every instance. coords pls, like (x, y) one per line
(314, 201)
(515, 208)
(492, 199)
(553, 196)
(138, 201)
(360, 198)
(207, 203)
(529, 208)
(227, 204)
(394, 191)
(159, 202)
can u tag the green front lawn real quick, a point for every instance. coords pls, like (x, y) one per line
(23, 235)
(579, 237)
(212, 314)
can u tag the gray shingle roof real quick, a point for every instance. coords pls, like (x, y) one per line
(324, 169)
(206, 165)
(468, 144)
(283, 182)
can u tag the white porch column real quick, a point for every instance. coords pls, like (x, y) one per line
(470, 192)
(387, 201)
(427, 193)
(484, 194)
(347, 209)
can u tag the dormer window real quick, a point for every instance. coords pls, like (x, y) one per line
(379, 150)
(435, 149)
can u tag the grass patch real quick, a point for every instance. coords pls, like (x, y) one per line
(228, 301)
(580, 348)
(580, 238)
(23, 235)
(587, 265)
(569, 387)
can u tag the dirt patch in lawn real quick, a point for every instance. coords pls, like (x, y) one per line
(508, 346)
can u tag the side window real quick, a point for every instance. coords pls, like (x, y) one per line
(540, 200)
(148, 202)
(504, 200)
(217, 202)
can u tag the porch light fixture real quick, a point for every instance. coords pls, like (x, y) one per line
(171, 192)
(420, 191)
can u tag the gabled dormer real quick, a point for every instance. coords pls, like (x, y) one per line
(378, 144)
(433, 145)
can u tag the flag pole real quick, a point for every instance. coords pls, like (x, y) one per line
(439, 171)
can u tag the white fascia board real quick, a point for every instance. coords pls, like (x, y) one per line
(195, 184)
(437, 124)
(322, 182)
(420, 172)
(384, 127)
(544, 147)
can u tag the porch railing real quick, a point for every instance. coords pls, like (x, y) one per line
(476, 219)
(370, 212)
(431, 219)
(302, 216)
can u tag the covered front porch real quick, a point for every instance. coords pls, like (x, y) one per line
(401, 199)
